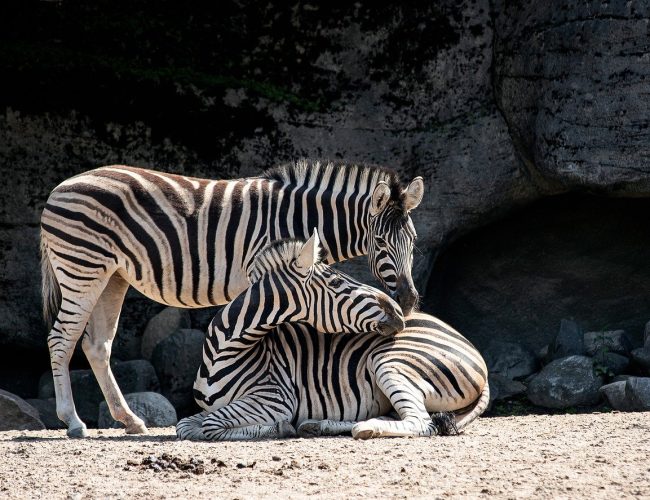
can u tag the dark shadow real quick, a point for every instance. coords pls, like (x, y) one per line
(568, 256)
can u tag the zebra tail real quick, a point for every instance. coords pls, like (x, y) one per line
(50, 290)
(475, 410)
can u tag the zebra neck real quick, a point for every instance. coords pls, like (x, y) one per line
(247, 319)
(339, 215)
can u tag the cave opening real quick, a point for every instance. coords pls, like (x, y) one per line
(568, 256)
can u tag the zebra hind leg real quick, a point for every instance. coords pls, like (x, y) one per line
(61, 341)
(408, 402)
(68, 327)
(96, 344)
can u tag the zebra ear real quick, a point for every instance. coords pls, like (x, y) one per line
(309, 252)
(414, 193)
(380, 198)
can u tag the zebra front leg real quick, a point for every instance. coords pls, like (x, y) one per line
(248, 418)
(191, 428)
(315, 428)
(96, 344)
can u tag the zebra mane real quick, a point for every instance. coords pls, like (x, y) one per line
(276, 255)
(311, 172)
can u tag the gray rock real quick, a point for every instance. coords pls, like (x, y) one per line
(646, 335)
(509, 359)
(18, 415)
(615, 341)
(201, 318)
(153, 408)
(161, 326)
(566, 382)
(621, 378)
(47, 412)
(177, 359)
(641, 357)
(637, 391)
(614, 393)
(46, 385)
(131, 376)
(565, 80)
(632, 394)
(569, 341)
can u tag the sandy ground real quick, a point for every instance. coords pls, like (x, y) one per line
(598, 455)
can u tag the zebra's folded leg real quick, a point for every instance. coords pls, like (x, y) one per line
(315, 428)
(225, 430)
(96, 344)
(254, 419)
(191, 428)
(408, 402)
(409, 427)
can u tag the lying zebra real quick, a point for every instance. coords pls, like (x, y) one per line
(278, 373)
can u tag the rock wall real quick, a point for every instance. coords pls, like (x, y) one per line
(494, 104)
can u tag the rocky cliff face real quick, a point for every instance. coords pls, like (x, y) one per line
(494, 104)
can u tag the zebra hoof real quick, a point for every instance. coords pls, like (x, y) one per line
(137, 428)
(77, 432)
(360, 431)
(309, 429)
(286, 430)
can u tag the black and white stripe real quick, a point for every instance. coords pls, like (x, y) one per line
(282, 373)
(187, 242)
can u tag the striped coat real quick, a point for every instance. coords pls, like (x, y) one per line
(187, 242)
(267, 367)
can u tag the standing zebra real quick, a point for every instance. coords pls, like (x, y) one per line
(266, 368)
(186, 242)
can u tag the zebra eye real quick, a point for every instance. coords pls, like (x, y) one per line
(381, 241)
(336, 282)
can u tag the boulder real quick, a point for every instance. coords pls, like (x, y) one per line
(565, 80)
(136, 312)
(47, 412)
(18, 415)
(566, 382)
(615, 341)
(153, 408)
(637, 391)
(201, 318)
(641, 357)
(161, 326)
(509, 359)
(632, 394)
(614, 393)
(176, 360)
(131, 376)
(569, 341)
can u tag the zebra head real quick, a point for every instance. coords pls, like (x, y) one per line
(391, 239)
(302, 288)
